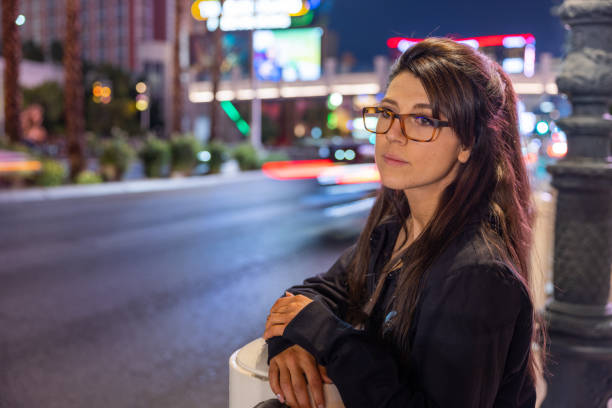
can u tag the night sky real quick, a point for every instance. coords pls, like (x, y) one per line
(364, 26)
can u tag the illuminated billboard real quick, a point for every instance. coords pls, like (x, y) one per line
(287, 55)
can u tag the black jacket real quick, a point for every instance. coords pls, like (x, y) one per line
(470, 336)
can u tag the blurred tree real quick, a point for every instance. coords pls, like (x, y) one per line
(177, 86)
(11, 50)
(57, 51)
(73, 92)
(215, 73)
(32, 51)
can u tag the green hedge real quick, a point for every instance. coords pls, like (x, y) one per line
(88, 177)
(184, 153)
(116, 157)
(218, 155)
(246, 156)
(155, 156)
(52, 173)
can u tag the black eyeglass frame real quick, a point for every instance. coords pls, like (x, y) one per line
(437, 123)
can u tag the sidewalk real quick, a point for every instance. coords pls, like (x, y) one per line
(126, 187)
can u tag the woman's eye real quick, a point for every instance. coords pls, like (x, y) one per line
(423, 121)
(386, 114)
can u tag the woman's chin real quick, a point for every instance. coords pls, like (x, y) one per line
(394, 183)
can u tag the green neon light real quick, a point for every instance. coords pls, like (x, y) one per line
(304, 20)
(243, 127)
(231, 111)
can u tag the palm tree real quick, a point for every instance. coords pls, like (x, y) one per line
(215, 73)
(73, 92)
(11, 49)
(177, 97)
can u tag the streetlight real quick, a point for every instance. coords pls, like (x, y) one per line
(142, 105)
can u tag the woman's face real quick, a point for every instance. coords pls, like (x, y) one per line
(406, 164)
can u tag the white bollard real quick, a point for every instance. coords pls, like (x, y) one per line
(248, 378)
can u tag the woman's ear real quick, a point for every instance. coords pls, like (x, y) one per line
(464, 154)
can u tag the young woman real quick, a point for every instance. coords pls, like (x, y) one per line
(432, 306)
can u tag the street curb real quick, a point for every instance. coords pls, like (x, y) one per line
(126, 187)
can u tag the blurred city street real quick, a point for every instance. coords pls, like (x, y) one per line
(139, 300)
(169, 167)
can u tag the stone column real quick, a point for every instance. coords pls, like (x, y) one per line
(580, 315)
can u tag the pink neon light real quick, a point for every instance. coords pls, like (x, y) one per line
(483, 41)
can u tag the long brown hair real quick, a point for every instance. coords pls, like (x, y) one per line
(478, 99)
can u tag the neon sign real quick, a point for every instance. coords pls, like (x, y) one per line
(247, 14)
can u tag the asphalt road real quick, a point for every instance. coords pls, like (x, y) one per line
(138, 300)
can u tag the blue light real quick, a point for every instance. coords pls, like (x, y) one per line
(349, 154)
(542, 127)
(339, 155)
(204, 156)
(316, 132)
(513, 65)
(373, 138)
(324, 152)
(514, 42)
(20, 20)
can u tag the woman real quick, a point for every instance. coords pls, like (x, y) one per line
(432, 306)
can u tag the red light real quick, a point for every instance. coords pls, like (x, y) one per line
(295, 169)
(483, 41)
(351, 174)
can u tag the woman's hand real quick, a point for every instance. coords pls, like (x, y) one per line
(282, 312)
(292, 372)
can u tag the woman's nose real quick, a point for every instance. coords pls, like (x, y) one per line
(395, 133)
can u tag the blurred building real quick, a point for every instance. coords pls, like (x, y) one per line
(134, 35)
(113, 31)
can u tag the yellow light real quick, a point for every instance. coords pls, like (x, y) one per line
(142, 105)
(299, 130)
(141, 87)
(97, 91)
(210, 8)
(31, 165)
(195, 11)
(106, 92)
(304, 10)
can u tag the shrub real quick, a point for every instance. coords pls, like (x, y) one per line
(52, 173)
(246, 156)
(155, 156)
(218, 154)
(116, 157)
(184, 152)
(88, 177)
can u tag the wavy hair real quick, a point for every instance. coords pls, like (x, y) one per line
(478, 99)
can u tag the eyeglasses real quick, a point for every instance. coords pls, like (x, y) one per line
(417, 127)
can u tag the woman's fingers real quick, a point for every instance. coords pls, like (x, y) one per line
(287, 386)
(274, 331)
(323, 372)
(273, 376)
(298, 381)
(315, 383)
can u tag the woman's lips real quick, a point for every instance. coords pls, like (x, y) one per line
(393, 161)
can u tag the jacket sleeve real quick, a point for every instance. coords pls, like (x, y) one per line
(461, 344)
(329, 288)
